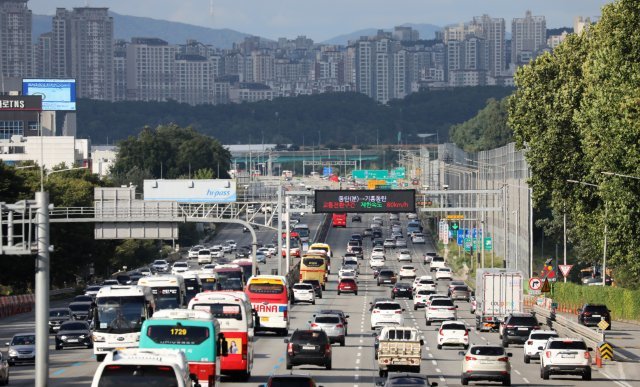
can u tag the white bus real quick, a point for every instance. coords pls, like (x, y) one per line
(118, 317)
(168, 290)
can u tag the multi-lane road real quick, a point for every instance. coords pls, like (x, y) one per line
(354, 364)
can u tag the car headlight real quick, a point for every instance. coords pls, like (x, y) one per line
(13, 352)
(63, 337)
(81, 336)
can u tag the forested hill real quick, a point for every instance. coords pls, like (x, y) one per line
(340, 117)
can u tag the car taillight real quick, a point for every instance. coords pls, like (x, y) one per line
(339, 326)
(466, 332)
(530, 342)
(395, 290)
(509, 326)
(376, 311)
(451, 308)
(285, 314)
(548, 354)
(398, 312)
(586, 313)
(587, 355)
(469, 358)
(313, 325)
(504, 359)
(440, 332)
(290, 348)
(327, 348)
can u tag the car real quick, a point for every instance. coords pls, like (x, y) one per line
(368, 232)
(357, 250)
(373, 303)
(565, 356)
(453, 284)
(537, 338)
(110, 282)
(22, 348)
(160, 265)
(386, 276)
(436, 263)
(356, 218)
(343, 316)
(424, 282)
(80, 310)
(592, 314)
(404, 255)
(351, 265)
(378, 220)
(56, 317)
(226, 248)
(401, 242)
(347, 272)
(353, 243)
(420, 298)
(308, 347)
(231, 243)
(377, 251)
(402, 289)
(304, 293)
(389, 243)
(4, 371)
(74, 334)
(216, 251)
(82, 298)
(330, 323)
(440, 309)
(193, 251)
(461, 292)
(316, 286)
(418, 238)
(385, 313)
(265, 251)
(348, 285)
(255, 227)
(428, 256)
(145, 271)
(517, 327)
(407, 271)
(444, 273)
(376, 261)
(261, 258)
(179, 267)
(135, 277)
(377, 234)
(486, 362)
(92, 290)
(393, 217)
(453, 333)
(290, 380)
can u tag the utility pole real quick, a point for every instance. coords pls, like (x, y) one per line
(42, 290)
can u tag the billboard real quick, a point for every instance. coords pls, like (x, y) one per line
(57, 94)
(20, 103)
(378, 201)
(191, 190)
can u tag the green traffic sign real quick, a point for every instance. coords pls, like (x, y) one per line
(488, 243)
(455, 226)
(467, 244)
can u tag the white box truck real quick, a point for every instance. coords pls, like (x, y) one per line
(498, 293)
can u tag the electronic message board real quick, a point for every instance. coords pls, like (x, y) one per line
(373, 201)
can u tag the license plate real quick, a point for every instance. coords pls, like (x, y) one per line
(309, 347)
(567, 356)
(596, 315)
(523, 329)
(486, 362)
(264, 318)
(72, 340)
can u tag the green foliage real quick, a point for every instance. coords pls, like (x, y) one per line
(135, 253)
(338, 117)
(623, 303)
(575, 111)
(487, 130)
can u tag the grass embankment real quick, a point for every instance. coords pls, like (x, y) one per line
(623, 303)
(461, 262)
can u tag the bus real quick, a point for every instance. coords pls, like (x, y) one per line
(194, 332)
(208, 280)
(294, 244)
(236, 318)
(303, 232)
(168, 290)
(326, 248)
(339, 219)
(269, 296)
(118, 316)
(313, 266)
(246, 264)
(192, 284)
(229, 277)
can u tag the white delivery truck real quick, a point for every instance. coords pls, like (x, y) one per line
(498, 293)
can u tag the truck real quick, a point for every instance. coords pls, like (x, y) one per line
(498, 293)
(399, 349)
(339, 219)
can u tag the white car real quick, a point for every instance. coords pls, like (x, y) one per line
(425, 282)
(272, 249)
(433, 296)
(193, 252)
(376, 261)
(226, 248)
(377, 251)
(179, 267)
(216, 251)
(565, 356)
(436, 263)
(204, 256)
(389, 243)
(453, 333)
(265, 251)
(420, 298)
(386, 313)
(347, 273)
(160, 265)
(231, 243)
(537, 338)
(407, 271)
(440, 309)
(404, 255)
(486, 362)
(418, 238)
(303, 292)
(444, 273)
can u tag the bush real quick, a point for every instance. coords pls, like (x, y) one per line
(623, 303)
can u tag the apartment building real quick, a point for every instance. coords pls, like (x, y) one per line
(16, 52)
(151, 72)
(493, 31)
(528, 38)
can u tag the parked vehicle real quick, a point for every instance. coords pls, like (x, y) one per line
(591, 314)
(565, 356)
(486, 362)
(498, 294)
(399, 349)
(308, 347)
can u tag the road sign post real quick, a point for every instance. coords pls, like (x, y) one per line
(565, 269)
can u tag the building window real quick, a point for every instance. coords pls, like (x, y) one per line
(11, 128)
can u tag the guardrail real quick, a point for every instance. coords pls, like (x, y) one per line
(568, 328)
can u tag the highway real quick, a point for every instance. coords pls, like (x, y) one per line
(354, 364)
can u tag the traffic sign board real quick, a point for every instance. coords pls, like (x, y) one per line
(455, 216)
(606, 352)
(455, 225)
(603, 324)
(460, 238)
(488, 243)
(546, 287)
(535, 283)
(565, 269)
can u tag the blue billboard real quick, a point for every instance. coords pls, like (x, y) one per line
(57, 94)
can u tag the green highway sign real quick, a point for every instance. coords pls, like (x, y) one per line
(467, 244)
(398, 173)
(455, 226)
(370, 174)
(488, 244)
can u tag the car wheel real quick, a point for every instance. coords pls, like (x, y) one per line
(58, 347)
(506, 381)
(289, 366)
(313, 302)
(587, 374)
(342, 342)
(464, 381)
(415, 307)
(324, 287)
(527, 359)
(100, 357)
(338, 292)
(356, 293)
(505, 343)
(439, 346)
(428, 323)
(382, 373)
(328, 366)
(545, 373)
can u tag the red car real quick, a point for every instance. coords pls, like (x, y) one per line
(348, 285)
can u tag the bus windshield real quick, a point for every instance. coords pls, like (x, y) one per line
(225, 274)
(221, 311)
(234, 284)
(166, 297)
(180, 334)
(208, 284)
(266, 288)
(120, 314)
(302, 232)
(192, 288)
(134, 375)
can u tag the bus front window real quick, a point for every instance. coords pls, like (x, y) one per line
(120, 314)
(166, 297)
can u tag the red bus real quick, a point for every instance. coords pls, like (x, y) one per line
(269, 296)
(229, 277)
(339, 219)
(294, 244)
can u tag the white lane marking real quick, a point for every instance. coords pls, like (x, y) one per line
(359, 354)
(442, 378)
(360, 347)
(361, 341)
(613, 379)
(430, 355)
(438, 370)
(525, 380)
(434, 362)
(517, 372)
(356, 376)
(357, 361)
(483, 338)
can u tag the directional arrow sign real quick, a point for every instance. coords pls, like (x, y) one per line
(535, 283)
(565, 269)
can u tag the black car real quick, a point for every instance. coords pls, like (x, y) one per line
(592, 314)
(377, 233)
(290, 381)
(56, 317)
(82, 298)
(402, 289)
(316, 287)
(356, 218)
(517, 327)
(80, 310)
(386, 276)
(308, 347)
(404, 379)
(358, 252)
(377, 242)
(74, 334)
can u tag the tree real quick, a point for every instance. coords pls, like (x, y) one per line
(487, 130)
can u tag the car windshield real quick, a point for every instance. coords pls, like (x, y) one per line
(454, 327)
(543, 336)
(303, 286)
(567, 344)
(596, 308)
(74, 326)
(180, 264)
(80, 307)
(460, 289)
(386, 273)
(59, 313)
(528, 321)
(387, 306)
(313, 337)
(487, 351)
(407, 381)
(24, 340)
(159, 262)
(441, 302)
(328, 319)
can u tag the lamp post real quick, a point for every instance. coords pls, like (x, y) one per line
(517, 212)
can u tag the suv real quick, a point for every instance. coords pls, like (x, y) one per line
(486, 362)
(356, 218)
(402, 289)
(290, 380)
(316, 286)
(386, 276)
(517, 327)
(592, 314)
(436, 263)
(332, 325)
(308, 347)
(348, 285)
(566, 357)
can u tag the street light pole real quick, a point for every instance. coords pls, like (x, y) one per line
(517, 212)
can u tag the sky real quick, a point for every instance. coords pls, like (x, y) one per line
(324, 19)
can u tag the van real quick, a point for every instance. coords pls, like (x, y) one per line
(436, 263)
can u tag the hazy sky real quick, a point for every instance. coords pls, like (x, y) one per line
(324, 19)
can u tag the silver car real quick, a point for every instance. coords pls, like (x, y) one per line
(332, 325)
(22, 348)
(401, 242)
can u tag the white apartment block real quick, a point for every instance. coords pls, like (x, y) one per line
(151, 70)
(400, 82)
(242, 93)
(54, 150)
(528, 38)
(263, 66)
(16, 52)
(580, 24)
(493, 31)
(555, 40)
(460, 32)
(467, 78)
(364, 67)
(194, 80)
